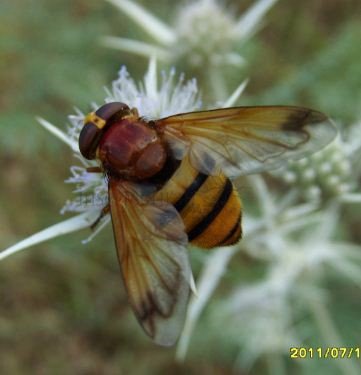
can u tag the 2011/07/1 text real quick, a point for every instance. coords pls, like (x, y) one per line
(328, 352)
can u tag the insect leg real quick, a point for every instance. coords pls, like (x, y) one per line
(94, 170)
(103, 212)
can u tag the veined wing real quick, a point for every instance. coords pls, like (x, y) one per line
(150, 240)
(246, 140)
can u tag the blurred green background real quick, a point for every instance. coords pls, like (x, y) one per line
(62, 305)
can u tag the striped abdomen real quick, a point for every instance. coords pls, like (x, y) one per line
(209, 206)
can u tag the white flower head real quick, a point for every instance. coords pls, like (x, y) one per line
(204, 34)
(324, 175)
(196, 43)
(155, 102)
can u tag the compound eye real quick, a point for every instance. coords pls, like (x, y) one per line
(108, 110)
(94, 123)
(89, 139)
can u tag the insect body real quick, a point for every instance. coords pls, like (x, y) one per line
(170, 184)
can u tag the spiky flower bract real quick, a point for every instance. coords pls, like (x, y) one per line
(205, 35)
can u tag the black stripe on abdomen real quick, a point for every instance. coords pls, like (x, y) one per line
(190, 191)
(165, 174)
(231, 232)
(217, 208)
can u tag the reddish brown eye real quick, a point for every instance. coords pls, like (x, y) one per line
(89, 139)
(91, 133)
(108, 110)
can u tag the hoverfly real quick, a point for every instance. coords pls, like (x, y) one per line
(170, 184)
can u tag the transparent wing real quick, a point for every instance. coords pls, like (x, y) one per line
(150, 240)
(246, 140)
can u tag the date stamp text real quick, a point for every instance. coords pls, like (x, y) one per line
(327, 352)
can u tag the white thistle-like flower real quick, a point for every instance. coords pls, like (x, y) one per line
(327, 174)
(153, 100)
(204, 32)
(205, 35)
